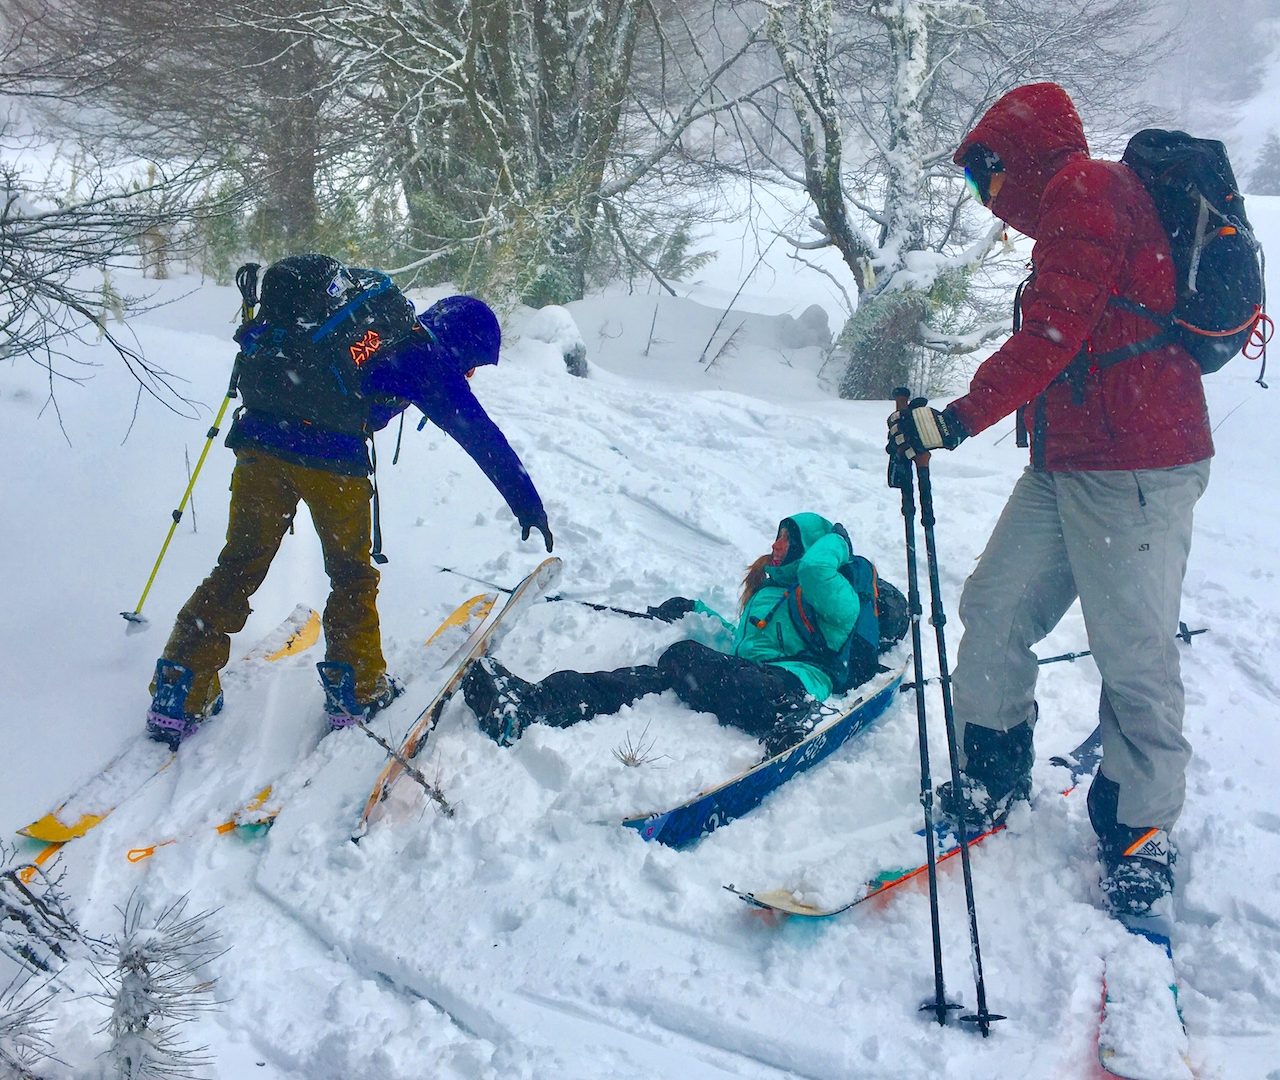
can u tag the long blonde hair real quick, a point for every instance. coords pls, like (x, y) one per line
(752, 582)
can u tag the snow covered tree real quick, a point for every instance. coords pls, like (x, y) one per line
(36, 928)
(1265, 178)
(490, 142)
(65, 227)
(24, 1028)
(59, 240)
(37, 938)
(515, 128)
(190, 80)
(880, 93)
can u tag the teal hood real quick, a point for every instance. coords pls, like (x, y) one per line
(805, 530)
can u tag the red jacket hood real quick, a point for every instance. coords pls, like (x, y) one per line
(1036, 131)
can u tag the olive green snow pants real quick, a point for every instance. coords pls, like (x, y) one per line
(265, 492)
(1119, 542)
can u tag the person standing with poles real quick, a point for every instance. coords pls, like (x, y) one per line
(1119, 456)
(332, 356)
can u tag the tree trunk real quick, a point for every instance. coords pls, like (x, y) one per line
(290, 139)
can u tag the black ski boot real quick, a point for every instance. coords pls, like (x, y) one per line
(794, 726)
(997, 774)
(504, 704)
(1137, 864)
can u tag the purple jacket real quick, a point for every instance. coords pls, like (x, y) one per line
(418, 373)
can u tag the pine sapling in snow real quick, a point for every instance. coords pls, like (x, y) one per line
(36, 926)
(37, 938)
(24, 1027)
(634, 752)
(152, 979)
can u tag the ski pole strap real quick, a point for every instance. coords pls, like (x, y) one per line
(376, 554)
(899, 473)
(395, 458)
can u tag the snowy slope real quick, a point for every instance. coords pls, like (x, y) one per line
(529, 936)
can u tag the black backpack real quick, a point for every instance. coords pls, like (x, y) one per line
(1216, 256)
(319, 326)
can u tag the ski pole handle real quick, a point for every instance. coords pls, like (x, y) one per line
(899, 474)
(902, 400)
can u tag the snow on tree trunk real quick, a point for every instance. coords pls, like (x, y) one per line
(906, 23)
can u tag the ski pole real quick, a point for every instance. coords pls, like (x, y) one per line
(247, 280)
(900, 477)
(572, 600)
(937, 616)
(1184, 634)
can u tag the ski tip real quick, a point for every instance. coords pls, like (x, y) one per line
(52, 831)
(305, 633)
(548, 572)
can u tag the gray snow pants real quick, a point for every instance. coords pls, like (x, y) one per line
(1118, 541)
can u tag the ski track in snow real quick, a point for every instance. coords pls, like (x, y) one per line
(529, 936)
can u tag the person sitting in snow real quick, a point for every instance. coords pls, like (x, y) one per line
(285, 453)
(1119, 456)
(769, 680)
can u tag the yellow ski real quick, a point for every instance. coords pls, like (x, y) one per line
(141, 760)
(259, 811)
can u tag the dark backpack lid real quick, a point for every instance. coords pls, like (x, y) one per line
(304, 288)
(1167, 160)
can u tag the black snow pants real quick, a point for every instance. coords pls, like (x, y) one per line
(740, 693)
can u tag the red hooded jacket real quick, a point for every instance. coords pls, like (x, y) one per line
(1097, 236)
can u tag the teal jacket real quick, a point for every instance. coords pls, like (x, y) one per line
(766, 631)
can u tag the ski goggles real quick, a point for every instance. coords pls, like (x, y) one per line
(975, 188)
(980, 165)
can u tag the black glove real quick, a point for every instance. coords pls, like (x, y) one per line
(917, 429)
(843, 533)
(541, 525)
(673, 609)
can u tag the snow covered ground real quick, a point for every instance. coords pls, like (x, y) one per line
(529, 936)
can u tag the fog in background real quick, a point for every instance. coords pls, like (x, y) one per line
(1220, 79)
